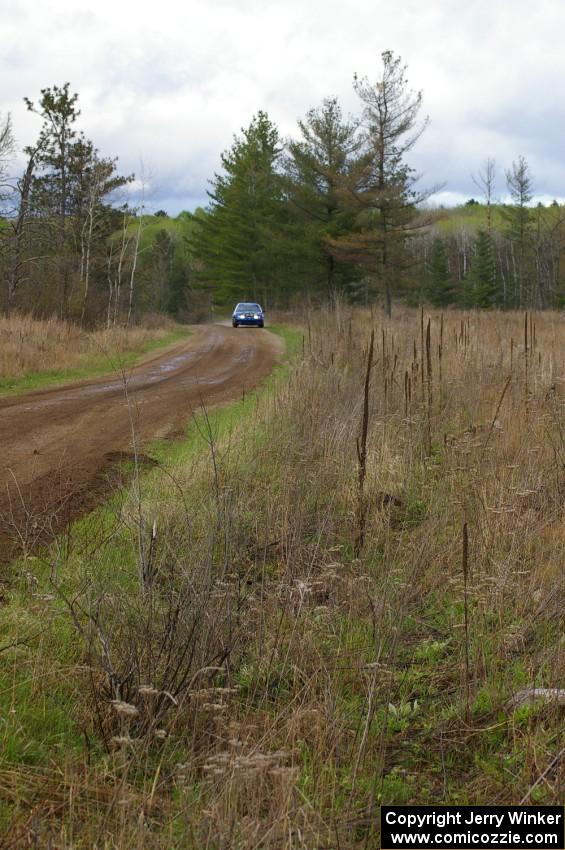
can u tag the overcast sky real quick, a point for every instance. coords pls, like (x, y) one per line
(169, 83)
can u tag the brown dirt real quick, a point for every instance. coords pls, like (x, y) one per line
(60, 447)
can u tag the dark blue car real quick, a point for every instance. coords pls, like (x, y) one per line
(248, 313)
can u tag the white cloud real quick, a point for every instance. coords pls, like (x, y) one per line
(172, 82)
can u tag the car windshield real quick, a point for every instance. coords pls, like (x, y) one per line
(242, 307)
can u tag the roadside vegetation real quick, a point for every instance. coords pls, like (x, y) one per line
(35, 353)
(344, 591)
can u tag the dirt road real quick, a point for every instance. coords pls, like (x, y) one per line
(58, 447)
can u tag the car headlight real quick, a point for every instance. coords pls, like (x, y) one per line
(241, 316)
(255, 315)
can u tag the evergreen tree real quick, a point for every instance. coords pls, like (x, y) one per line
(316, 167)
(179, 282)
(53, 151)
(382, 187)
(69, 185)
(50, 190)
(162, 256)
(236, 242)
(441, 291)
(518, 217)
(483, 272)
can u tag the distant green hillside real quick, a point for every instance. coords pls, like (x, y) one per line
(179, 228)
(473, 217)
(515, 263)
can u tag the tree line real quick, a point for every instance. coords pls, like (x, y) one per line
(508, 256)
(331, 212)
(335, 211)
(338, 211)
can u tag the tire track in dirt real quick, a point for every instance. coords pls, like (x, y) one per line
(59, 447)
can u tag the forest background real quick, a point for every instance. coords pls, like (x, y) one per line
(335, 211)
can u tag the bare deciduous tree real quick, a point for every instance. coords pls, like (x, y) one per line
(484, 180)
(18, 230)
(6, 149)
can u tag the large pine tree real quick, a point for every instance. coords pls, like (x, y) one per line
(236, 241)
(317, 167)
(69, 186)
(382, 190)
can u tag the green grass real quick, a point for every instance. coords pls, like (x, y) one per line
(98, 366)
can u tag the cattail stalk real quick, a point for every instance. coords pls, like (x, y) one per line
(362, 454)
(429, 384)
(465, 558)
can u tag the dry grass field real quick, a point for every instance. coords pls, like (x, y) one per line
(31, 347)
(344, 591)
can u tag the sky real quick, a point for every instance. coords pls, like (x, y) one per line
(164, 86)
